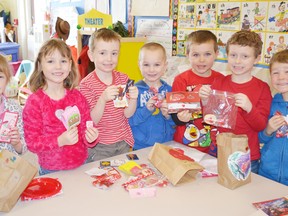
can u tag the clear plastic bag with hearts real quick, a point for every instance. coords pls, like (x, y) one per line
(220, 109)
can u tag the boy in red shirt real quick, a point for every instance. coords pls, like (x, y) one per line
(202, 51)
(252, 96)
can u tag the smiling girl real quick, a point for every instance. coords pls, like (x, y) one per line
(53, 85)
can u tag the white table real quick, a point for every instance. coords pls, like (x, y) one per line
(200, 198)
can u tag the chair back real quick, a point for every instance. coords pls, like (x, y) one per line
(24, 72)
(23, 75)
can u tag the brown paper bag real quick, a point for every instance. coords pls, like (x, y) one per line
(177, 167)
(15, 175)
(234, 163)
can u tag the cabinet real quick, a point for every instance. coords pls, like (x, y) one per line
(10, 51)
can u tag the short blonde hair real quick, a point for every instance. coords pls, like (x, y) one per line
(152, 46)
(38, 80)
(246, 38)
(280, 57)
(200, 37)
(104, 34)
(5, 67)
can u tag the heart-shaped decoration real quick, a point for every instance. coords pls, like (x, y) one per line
(59, 113)
(179, 153)
(239, 164)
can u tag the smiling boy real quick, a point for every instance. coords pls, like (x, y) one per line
(100, 88)
(151, 122)
(201, 50)
(253, 96)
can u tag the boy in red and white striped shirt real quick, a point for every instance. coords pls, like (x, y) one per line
(100, 88)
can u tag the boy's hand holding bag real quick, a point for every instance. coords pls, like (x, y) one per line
(234, 163)
(174, 164)
(15, 175)
(220, 109)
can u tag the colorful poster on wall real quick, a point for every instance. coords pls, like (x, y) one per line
(278, 16)
(228, 15)
(222, 38)
(186, 16)
(274, 42)
(268, 18)
(206, 15)
(253, 16)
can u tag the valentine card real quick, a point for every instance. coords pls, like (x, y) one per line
(120, 100)
(70, 117)
(274, 207)
(8, 120)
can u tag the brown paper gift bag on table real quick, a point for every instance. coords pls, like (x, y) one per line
(15, 175)
(177, 167)
(234, 163)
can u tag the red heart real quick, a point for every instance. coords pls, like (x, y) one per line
(179, 153)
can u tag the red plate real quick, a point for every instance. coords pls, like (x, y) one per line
(41, 188)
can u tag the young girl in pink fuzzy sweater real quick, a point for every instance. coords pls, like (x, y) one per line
(53, 85)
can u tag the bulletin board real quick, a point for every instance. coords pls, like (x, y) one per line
(268, 18)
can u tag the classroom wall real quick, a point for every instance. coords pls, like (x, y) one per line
(268, 18)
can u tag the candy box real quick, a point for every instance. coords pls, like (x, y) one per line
(181, 100)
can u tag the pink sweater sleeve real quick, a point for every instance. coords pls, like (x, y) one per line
(33, 127)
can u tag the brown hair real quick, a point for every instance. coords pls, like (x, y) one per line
(200, 37)
(104, 34)
(152, 46)
(38, 80)
(246, 38)
(280, 57)
(5, 67)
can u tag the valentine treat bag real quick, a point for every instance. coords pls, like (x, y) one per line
(234, 163)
